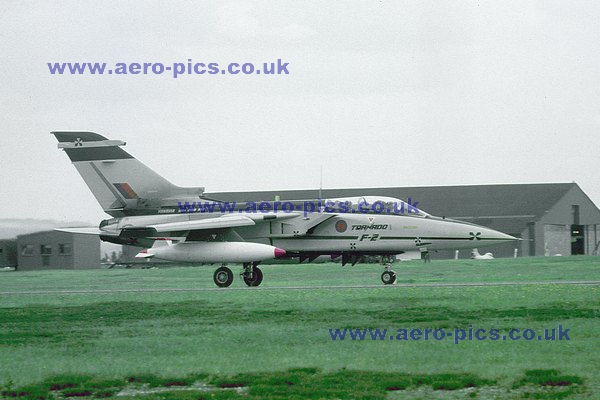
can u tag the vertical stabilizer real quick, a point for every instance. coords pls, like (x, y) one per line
(117, 179)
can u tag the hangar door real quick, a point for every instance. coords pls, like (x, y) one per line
(577, 233)
(557, 240)
(577, 240)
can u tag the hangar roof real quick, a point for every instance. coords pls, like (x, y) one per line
(46, 233)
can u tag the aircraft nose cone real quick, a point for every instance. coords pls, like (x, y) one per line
(493, 235)
(508, 237)
(279, 252)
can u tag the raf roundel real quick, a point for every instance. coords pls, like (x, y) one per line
(341, 226)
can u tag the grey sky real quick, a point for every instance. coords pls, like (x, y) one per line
(380, 93)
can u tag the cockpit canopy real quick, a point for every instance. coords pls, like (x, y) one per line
(378, 204)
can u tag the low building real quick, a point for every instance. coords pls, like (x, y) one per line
(58, 250)
(8, 253)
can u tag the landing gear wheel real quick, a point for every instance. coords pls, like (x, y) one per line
(223, 277)
(253, 277)
(388, 277)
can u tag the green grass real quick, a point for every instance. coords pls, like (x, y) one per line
(105, 343)
(297, 383)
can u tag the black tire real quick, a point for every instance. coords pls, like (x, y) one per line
(388, 277)
(223, 277)
(257, 277)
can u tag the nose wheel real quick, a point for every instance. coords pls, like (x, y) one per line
(388, 277)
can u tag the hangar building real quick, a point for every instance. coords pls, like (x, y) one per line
(58, 250)
(552, 218)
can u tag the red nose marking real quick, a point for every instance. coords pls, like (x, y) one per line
(279, 252)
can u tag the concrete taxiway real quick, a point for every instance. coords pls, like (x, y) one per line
(318, 287)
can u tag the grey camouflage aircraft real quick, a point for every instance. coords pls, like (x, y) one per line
(185, 225)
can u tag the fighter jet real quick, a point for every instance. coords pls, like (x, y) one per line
(186, 225)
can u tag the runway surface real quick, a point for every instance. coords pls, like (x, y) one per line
(318, 287)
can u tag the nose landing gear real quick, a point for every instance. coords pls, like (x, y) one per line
(388, 277)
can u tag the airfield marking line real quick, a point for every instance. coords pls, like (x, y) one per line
(321, 287)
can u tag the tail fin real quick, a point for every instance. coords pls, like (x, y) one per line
(118, 180)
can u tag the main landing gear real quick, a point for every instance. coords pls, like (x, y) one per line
(223, 276)
(388, 277)
(251, 274)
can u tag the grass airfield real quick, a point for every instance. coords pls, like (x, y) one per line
(275, 343)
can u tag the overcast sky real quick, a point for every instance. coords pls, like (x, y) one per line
(379, 93)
